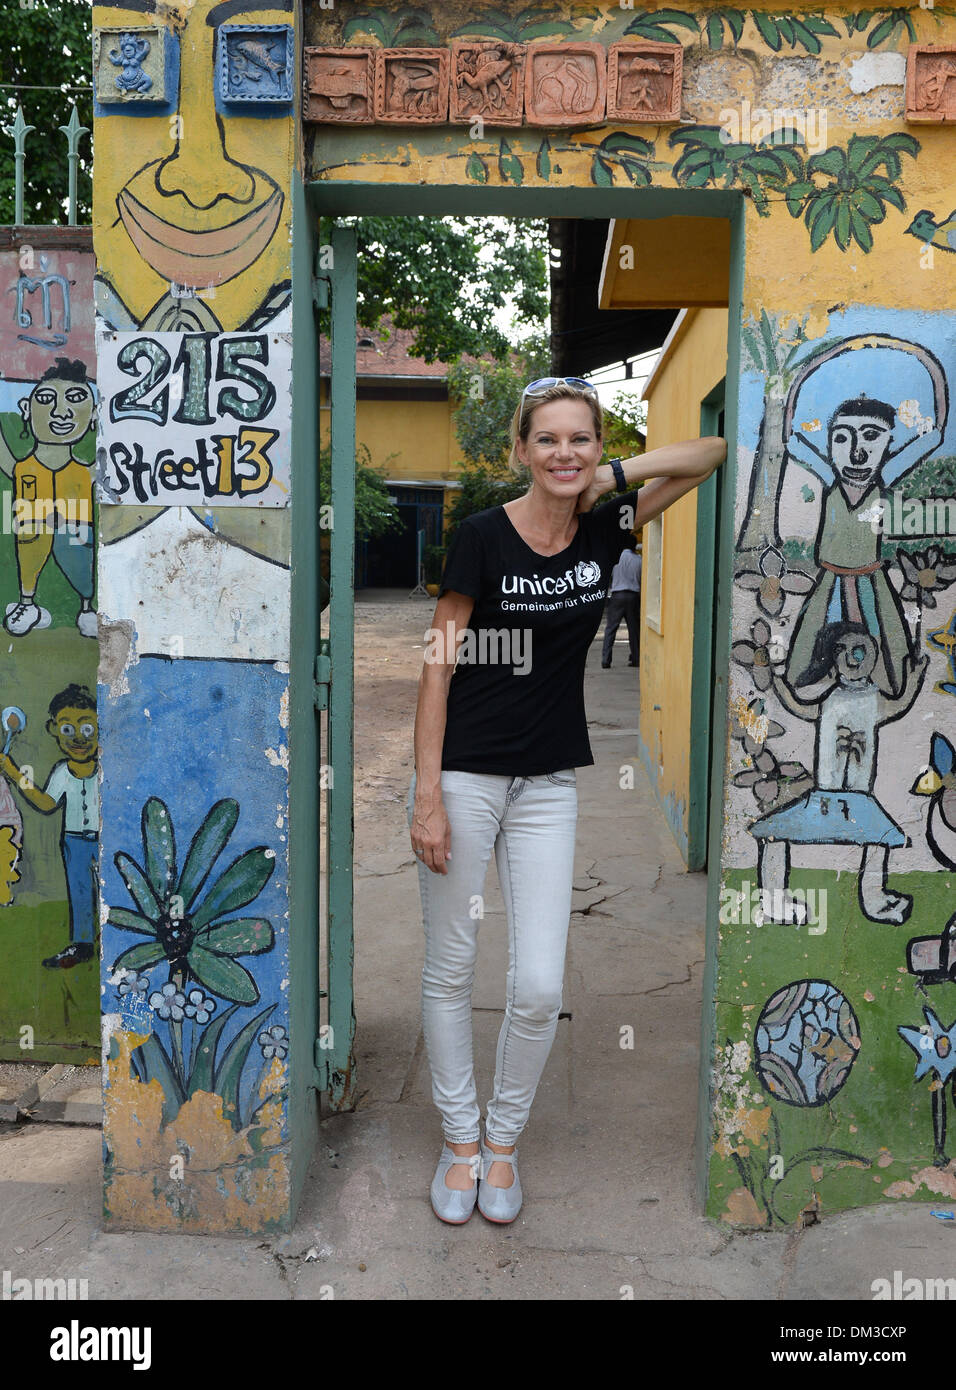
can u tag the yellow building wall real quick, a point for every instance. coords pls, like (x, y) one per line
(695, 363)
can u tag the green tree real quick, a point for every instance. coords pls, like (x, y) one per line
(374, 513)
(624, 423)
(486, 394)
(481, 487)
(45, 68)
(447, 280)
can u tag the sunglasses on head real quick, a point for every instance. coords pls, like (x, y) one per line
(545, 383)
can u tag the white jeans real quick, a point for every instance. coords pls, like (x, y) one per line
(530, 823)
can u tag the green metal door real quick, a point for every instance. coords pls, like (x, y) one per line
(335, 283)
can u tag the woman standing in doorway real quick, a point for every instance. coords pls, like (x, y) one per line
(497, 741)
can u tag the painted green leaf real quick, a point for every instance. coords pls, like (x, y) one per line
(230, 1070)
(697, 178)
(208, 843)
(785, 28)
(750, 343)
(882, 188)
(140, 891)
(543, 162)
(476, 168)
(715, 31)
(146, 953)
(544, 29)
(795, 196)
(861, 231)
(223, 975)
(819, 25)
(707, 136)
(869, 207)
(243, 881)
(364, 24)
(802, 34)
(681, 18)
(767, 29)
(841, 227)
(509, 165)
(881, 32)
(735, 18)
(157, 1067)
(484, 29)
(821, 224)
(131, 921)
(159, 847)
(243, 936)
(203, 1072)
(831, 161)
(601, 172)
(624, 144)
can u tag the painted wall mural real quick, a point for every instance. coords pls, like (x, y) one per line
(49, 794)
(192, 234)
(843, 540)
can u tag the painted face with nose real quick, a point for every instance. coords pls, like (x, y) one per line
(858, 446)
(58, 412)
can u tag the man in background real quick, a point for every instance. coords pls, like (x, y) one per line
(624, 604)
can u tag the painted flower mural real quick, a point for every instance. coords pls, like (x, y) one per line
(935, 1047)
(184, 914)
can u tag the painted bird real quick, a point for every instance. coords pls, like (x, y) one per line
(931, 233)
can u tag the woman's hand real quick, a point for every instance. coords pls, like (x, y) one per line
(599, 486)
(431, 834)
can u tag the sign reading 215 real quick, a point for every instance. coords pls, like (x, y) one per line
(194, 417)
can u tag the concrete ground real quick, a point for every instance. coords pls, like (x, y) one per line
(607, 1159)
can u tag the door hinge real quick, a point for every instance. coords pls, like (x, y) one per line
(323, 675)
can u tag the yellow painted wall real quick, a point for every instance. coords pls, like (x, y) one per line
(419, 435)
(695, 363)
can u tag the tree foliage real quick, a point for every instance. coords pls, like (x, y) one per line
(624, 422)
(447, 280)
(486, 394)
(374, 513)
(46, 47)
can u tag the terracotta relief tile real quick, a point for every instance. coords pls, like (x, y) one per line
(644, 81)
(931, 82)
(565, 84)
(487, 81)
(338, 85)
(411, 85)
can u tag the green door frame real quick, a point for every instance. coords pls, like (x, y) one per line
(355, 198)
(702, 682)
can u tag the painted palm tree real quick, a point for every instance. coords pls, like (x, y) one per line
(853, 197)
(408, 24)
(766, 166)
(533, 22)
(775, 359)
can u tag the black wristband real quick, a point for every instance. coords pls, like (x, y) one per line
(618, 472)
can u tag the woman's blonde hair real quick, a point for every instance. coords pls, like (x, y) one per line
(521, 420)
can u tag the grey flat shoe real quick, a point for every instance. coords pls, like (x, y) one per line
(499, 1204)
(448, 1203)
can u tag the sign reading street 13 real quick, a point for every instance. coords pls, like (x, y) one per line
(189, 418)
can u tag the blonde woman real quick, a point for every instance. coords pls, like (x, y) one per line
(497, 740)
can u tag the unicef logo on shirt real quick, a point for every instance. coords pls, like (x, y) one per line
(587, 572)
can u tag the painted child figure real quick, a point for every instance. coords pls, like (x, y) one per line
(841, 808)
(53, 496)
(72, 784)
(852, 585)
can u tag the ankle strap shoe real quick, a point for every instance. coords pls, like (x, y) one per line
(448, 1203)
(499, 1204)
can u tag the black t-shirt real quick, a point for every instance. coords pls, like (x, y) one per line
(516, 698)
